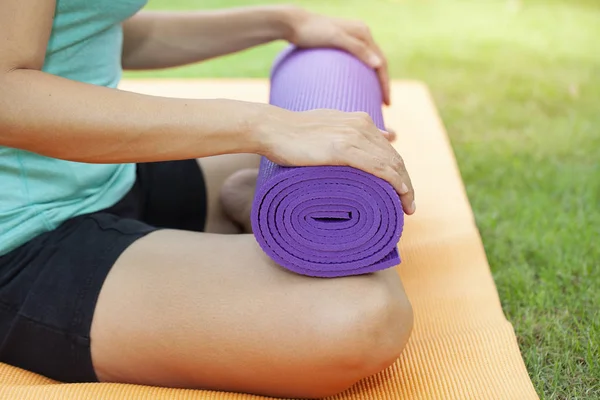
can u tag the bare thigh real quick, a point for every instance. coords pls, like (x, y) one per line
(199, 310)
(216, 170)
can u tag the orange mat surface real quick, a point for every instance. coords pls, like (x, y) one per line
(462, 346)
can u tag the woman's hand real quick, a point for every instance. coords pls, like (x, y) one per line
(330, 137)
(307, 29)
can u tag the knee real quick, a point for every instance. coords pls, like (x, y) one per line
(366, 329)
(374, 328)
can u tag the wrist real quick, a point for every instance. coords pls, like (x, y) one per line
(256, 128)
(267, 127)
(225, 126)
(285, 20)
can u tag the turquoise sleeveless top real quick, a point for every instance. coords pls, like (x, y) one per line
(38, 193)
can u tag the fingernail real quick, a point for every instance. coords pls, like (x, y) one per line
(404, 189)
(375, 61)
(413, 207)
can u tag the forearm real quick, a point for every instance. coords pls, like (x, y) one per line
(74, 121)
(167, 39)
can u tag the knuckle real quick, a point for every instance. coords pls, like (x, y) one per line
(365, 50)
(398, 163)
(340, 145)
(363, 119)
(411, 191)
(378, 164)
(362, 27)
(351, 132)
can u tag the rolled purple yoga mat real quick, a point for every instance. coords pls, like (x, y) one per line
(326, 221)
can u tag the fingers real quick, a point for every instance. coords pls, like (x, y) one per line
(384, 81)
(363, 120)
(407, 192)
(367, 150)
(362, 32)
(351, 139)
(382, 73)
(392, 171)
(387, 156)
(359, 49)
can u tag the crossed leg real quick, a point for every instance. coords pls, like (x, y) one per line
(202, 310)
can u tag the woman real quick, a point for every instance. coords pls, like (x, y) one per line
(92, 289)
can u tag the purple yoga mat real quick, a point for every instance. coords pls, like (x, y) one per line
(326, 221)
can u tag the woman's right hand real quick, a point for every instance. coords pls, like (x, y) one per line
(330, 137)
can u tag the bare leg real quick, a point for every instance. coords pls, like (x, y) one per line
(236, 198)
(200, 310)
(216, 171)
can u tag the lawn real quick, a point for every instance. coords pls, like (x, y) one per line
(518, 87)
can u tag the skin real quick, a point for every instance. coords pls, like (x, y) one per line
(207, 310)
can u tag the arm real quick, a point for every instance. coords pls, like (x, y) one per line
(75, 121)
(166, 39)
(60, 118)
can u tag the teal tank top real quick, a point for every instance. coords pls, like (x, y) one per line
(38, 193)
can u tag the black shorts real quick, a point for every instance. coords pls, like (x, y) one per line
(49, 286)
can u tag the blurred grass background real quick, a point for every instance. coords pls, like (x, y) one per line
(518, 87)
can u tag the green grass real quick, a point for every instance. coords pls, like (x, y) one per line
(518, 87)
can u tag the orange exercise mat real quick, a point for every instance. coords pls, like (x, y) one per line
(462, 346)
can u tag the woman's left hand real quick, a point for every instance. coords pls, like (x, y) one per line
(308, 29)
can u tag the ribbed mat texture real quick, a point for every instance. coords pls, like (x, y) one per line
(462, 346)
(326, 221)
